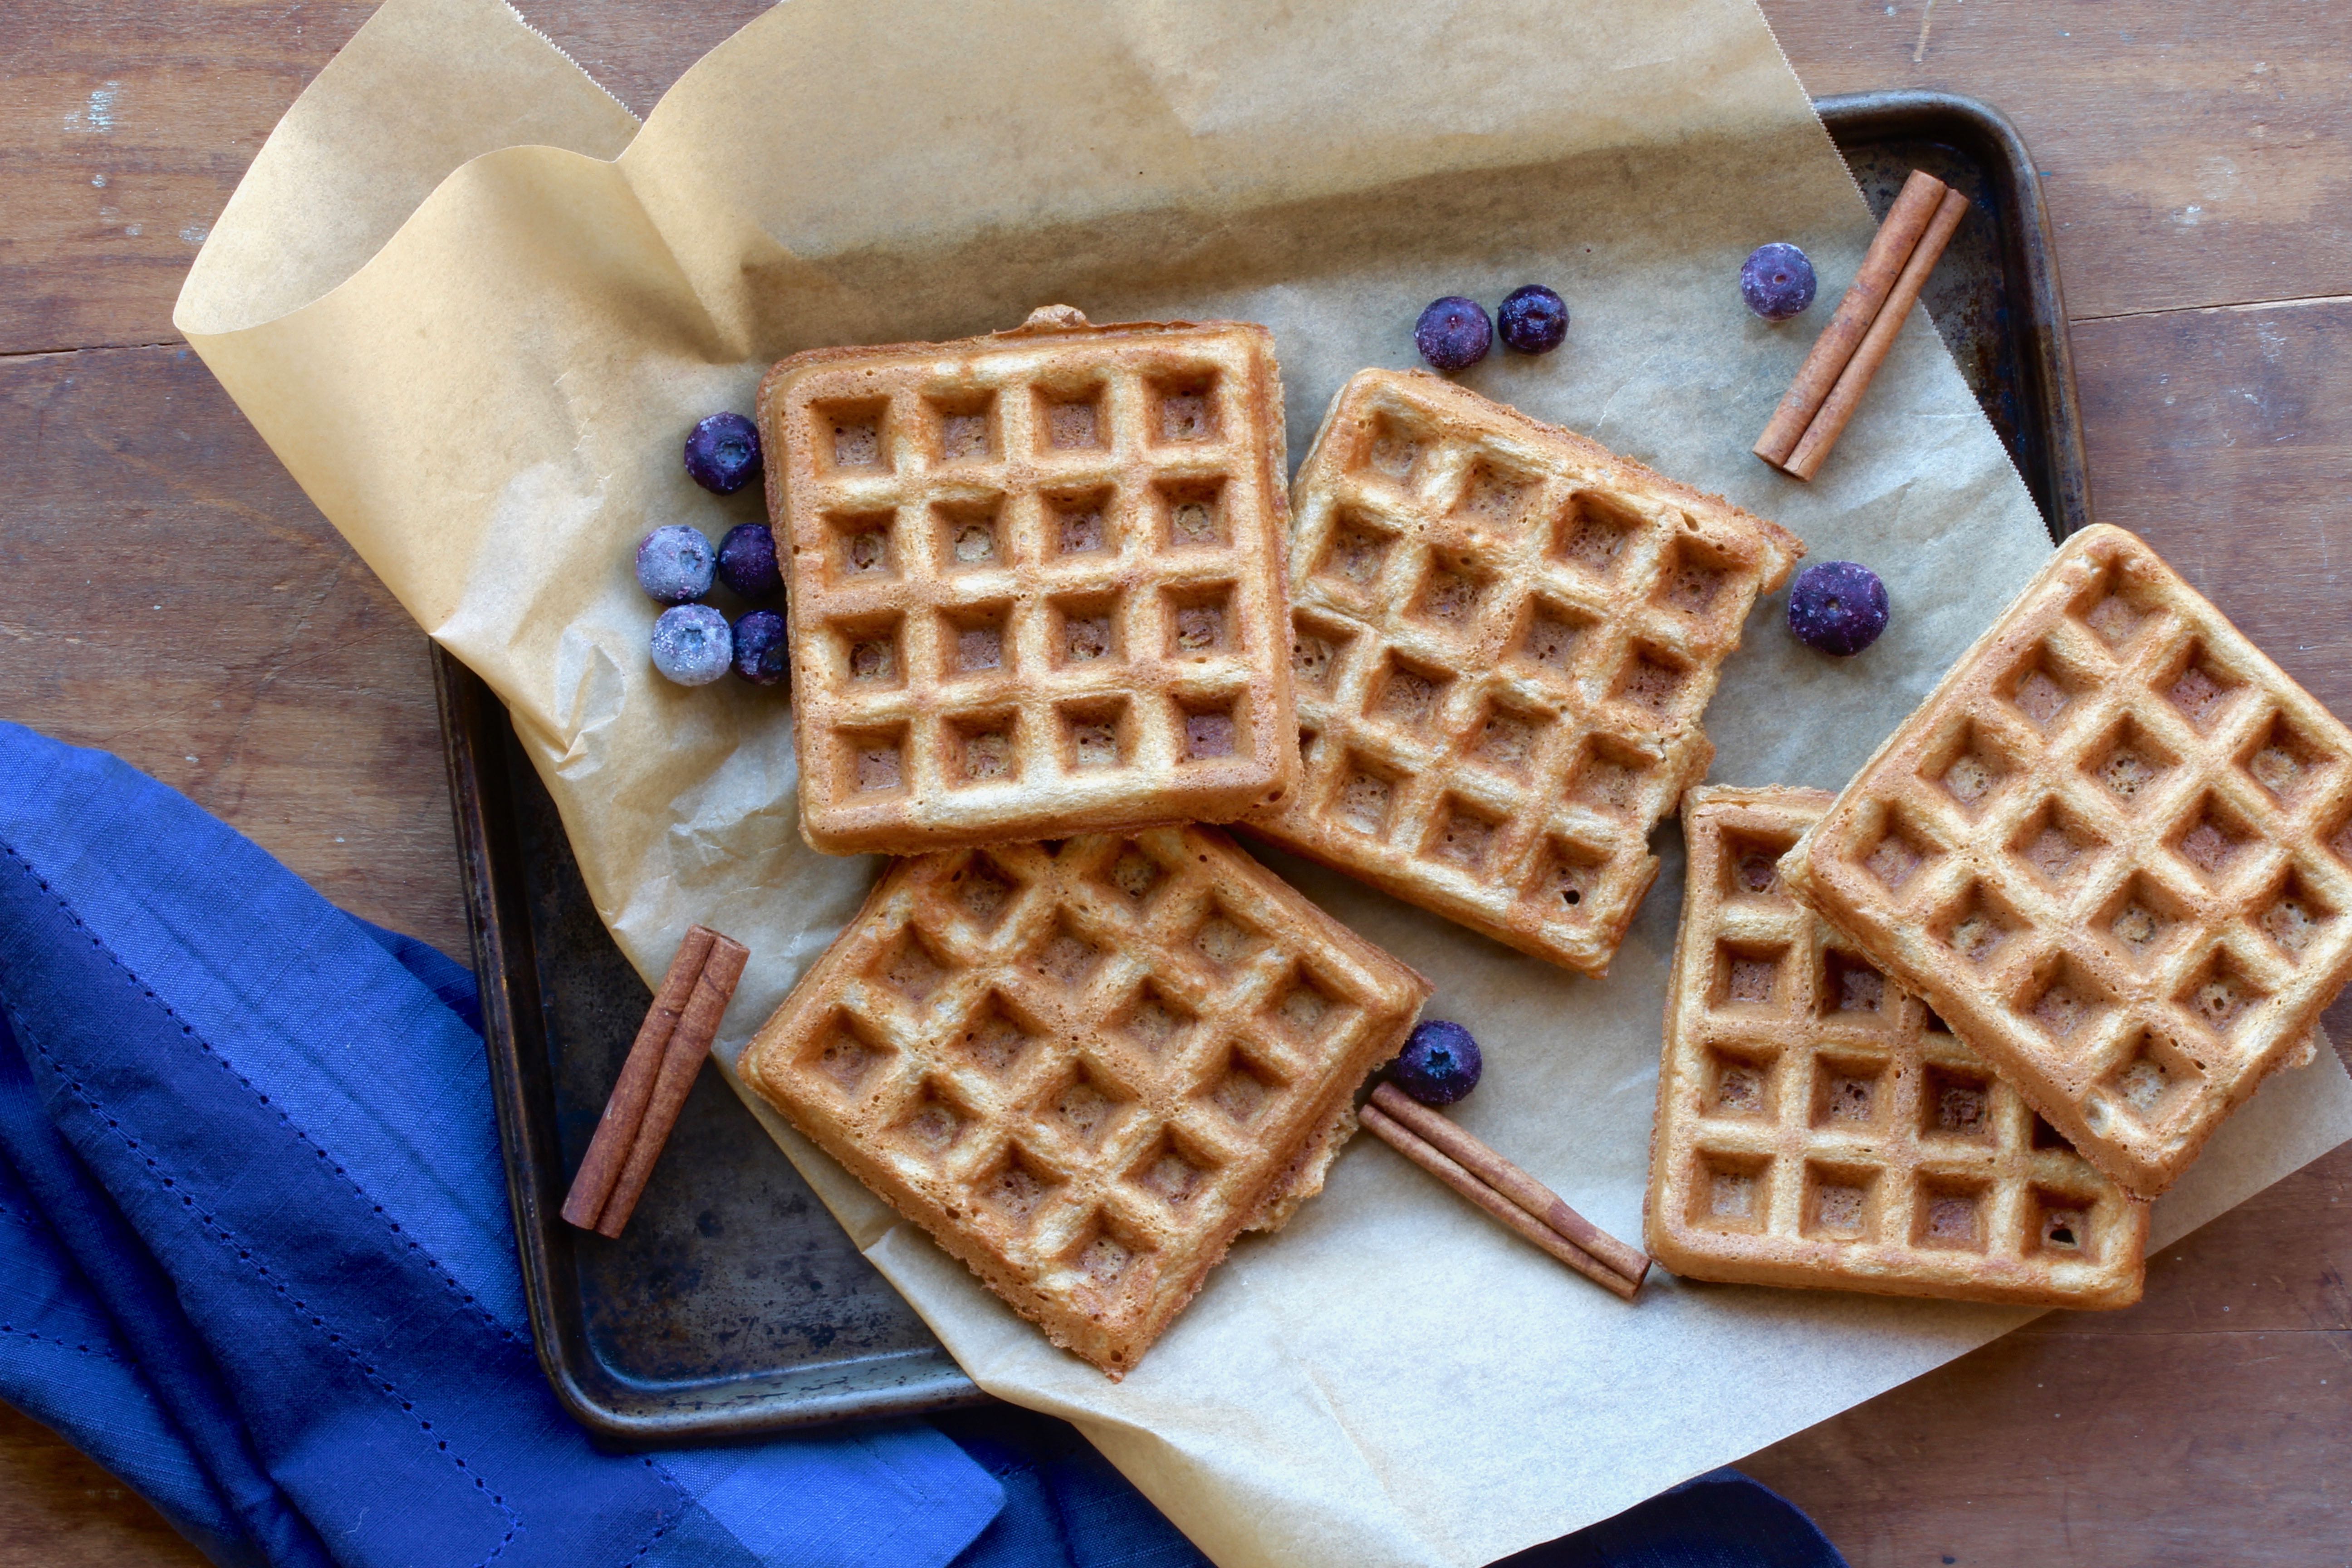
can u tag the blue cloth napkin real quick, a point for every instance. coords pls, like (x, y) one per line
(258, 1255)
(1720, 1520)
(256, 1259)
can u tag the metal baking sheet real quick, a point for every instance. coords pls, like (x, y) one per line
(1994, 296)
(734, 1304)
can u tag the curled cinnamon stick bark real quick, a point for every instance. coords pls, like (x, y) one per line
(1854, 380)
(1882, 265)
(1431, 1159)
(1511, 1182)
(681, 1061)
(625, 1113)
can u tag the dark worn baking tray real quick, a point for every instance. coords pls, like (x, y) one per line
(735, 1304)
(1994, 296)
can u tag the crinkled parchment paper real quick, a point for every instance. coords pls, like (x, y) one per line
(474, 307)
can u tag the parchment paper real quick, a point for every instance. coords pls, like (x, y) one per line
(475, 309)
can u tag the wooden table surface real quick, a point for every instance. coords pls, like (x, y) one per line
(168, 594)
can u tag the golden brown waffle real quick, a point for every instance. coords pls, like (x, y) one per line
(2112, 848)
(1087, 1069)
(1504, 635)
(1036, 581)
(1818, 1126)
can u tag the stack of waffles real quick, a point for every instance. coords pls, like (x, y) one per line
(1819, 1124)
(2113, 848)
(1947, 1031)
(1040, 588)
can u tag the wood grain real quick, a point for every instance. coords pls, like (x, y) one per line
(173, 597)
(124, 130)
(2225, 437)
(2194, 153)
(58, 1510)
(2204, 1428)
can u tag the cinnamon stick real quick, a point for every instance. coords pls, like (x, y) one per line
(697, 1025)
(1854, 380)
(1511, 1182)
(1882, 264)
(1435, 1162)
(625, 1113)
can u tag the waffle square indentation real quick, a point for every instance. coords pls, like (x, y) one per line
(2198, 689)
(1845, 1137)
(1084, 519)
(1095, 1062)
(1503, 637)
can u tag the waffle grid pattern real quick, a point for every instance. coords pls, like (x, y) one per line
(1036, 583)
(2113, 848)
(1502, 639)
(1086, 1072)
(1818, 1126)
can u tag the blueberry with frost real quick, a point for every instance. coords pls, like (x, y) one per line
(692, 645)
(1440, 1063)
(1454, 333)
(1532, 320)
(1837, 607)
(675, 564)
(1777, 280)
(760, 655)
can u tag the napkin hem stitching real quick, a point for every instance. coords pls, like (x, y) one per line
(210, 1225)
(220, 1233)
(449, 1282)
(686, 1501)
(102, 1352)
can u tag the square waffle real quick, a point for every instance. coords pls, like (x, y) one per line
(1036, 581)
(1504, 635)
(1085, 1068)
(2114, 847)
(1818, 1126)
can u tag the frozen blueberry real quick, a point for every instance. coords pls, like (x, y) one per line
(691, 646)
(760, 647)
(674, 564)
(1533, 320)
(747, 561)
(1776, 280)
(722, 453)
(1454, 333)
(1439, 1064)
(1837, 607)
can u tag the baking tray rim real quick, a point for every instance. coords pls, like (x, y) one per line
(2029, 255)
(507, 974)
(503, 942)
